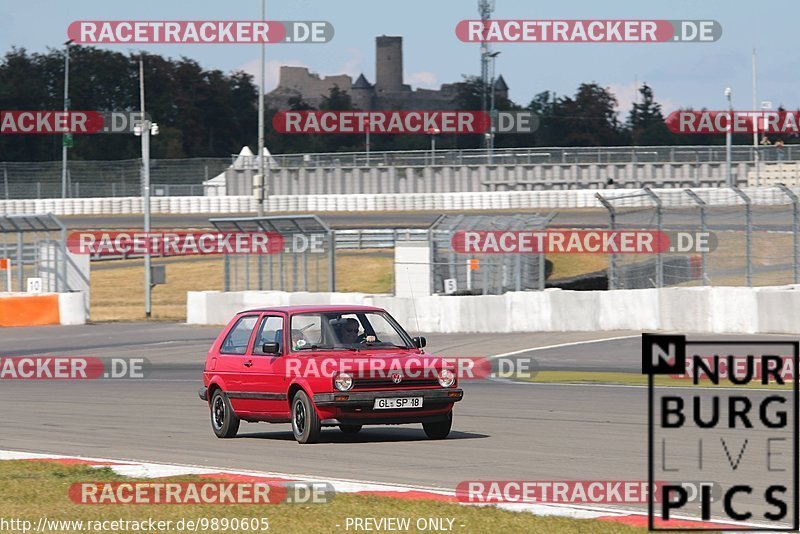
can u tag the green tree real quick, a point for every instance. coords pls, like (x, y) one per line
(646, 122)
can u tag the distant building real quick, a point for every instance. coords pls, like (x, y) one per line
(388, 91)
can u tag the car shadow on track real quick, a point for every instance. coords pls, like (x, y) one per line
(367, 435)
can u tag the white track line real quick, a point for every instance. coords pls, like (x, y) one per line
(559, 345)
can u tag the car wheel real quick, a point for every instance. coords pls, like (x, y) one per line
(306, 426)
(224, 421)
(439, 429)
(350, 429)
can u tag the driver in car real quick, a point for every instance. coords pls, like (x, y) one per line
(349, 332)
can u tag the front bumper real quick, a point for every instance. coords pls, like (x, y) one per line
(366, 399)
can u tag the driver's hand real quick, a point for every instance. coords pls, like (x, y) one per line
(370, 339)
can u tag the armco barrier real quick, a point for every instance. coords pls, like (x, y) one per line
(24, 309)
(494, 200)
(773, 309)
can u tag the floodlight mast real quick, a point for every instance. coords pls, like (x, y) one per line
(262, 183)
(145, 129)
(485, 8)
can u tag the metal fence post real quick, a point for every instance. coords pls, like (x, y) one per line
(703, 259)
(795, 229)
(542, 269)
(332, 262)
(612, 258)
(20, 263)
(748, 236)
(246, 259)
(660, 227)
(226, 272)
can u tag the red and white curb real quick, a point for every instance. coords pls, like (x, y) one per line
(139, 469)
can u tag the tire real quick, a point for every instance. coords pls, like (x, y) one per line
(350, 429)
(306, 425)
(224, 421)
(440, 429)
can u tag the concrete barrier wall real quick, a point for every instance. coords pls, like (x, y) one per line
(452, 178)
(438, 201)
(696, 309)
(26, 309)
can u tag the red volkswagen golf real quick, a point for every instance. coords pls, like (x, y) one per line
(317, 366)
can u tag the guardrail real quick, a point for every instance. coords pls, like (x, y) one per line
(528, 156)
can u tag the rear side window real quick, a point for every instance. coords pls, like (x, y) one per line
(271, 332)
(237, 339)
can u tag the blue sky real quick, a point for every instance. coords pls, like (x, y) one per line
(688, 74)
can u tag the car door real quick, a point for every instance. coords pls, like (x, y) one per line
(233, 358)
(264, 373)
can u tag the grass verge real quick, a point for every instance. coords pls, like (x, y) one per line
(33, 489)
(117, 291)
(629, 379)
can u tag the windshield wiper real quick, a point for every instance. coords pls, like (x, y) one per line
(314, 347)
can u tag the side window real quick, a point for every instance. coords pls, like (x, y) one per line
(271, 331)
(237, 339)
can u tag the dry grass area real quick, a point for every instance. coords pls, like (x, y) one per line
(569, 265)
(117, 290)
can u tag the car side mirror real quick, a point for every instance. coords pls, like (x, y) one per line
(270, 348)
(420, 341)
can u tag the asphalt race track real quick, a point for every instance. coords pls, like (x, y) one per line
(502, 430)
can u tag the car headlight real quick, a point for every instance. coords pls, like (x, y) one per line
(446, 378)
(343, 382)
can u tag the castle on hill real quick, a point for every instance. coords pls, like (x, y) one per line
(388, 91)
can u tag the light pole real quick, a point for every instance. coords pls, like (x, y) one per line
(145, 129)
(66, 139)
(433, 132)
(729, 139)
(755, 123)
(492, 111)
(261, 179)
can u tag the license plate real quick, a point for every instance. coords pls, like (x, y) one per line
(397, 403)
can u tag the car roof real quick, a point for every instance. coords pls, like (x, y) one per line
(316, 308)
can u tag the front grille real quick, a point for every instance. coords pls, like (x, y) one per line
(388, 383)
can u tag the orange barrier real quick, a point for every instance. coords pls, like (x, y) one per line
(34, 310)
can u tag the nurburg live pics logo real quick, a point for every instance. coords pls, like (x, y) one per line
(739, 428)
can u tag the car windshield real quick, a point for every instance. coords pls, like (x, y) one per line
(346, 331)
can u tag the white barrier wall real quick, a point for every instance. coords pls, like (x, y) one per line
(412, 268)
(72, 308)
(695, 309)
(495, 200)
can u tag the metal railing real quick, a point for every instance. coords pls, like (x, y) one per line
(530, 156)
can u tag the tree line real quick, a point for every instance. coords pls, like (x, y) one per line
(208, 113)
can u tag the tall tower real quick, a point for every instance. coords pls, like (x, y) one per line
(485, 8)
(388, 64)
